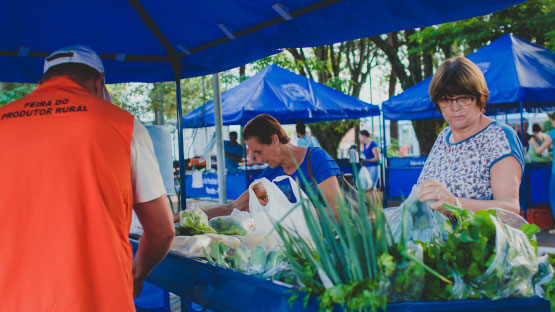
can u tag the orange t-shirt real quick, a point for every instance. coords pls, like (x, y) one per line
(65, 202)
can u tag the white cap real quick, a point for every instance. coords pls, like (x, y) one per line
(74, 54)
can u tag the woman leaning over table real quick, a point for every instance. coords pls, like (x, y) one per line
(476, 162)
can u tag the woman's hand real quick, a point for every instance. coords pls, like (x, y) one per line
(437, 192)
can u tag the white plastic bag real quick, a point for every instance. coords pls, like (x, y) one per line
(194, 221)
(416, 220)
(235, 224)
(364, 181)
(278, 206)
(197, 179)
(191, 246)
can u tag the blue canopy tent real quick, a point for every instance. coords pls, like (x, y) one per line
(150, 41)
(286, 96)
(516, 71)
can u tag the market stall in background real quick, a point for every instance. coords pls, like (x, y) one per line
(288, 97)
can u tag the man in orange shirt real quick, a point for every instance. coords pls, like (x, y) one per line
(72, 168)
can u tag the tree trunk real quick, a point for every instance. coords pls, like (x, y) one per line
(331, 61)
(330, 133)
(393, 124)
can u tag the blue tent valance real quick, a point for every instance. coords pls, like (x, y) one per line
(286, 96)
(151, 40)
(515, 71)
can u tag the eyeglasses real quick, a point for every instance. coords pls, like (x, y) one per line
(464, 100)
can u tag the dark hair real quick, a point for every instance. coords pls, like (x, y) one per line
(76, 71)
(301, 128)
(458, 75)
(262, 127)
(233, 133)
(552, 116)
(536, 128)
(365, 133)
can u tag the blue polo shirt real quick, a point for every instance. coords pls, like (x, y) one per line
(235, 150)
(323, 167)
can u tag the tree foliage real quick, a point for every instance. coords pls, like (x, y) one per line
(342, 66)
(157, 101)
(12, 91)
(413, 54)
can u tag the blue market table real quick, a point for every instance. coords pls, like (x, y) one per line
(220, 289)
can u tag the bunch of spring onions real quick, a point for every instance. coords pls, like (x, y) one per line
(351, 261)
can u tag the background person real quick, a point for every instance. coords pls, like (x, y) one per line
(233, 153)
(353, 155)
(73, 168)
(304, 139)
(476, 162)
(549, 139)
(537, 140)
(370, 161)
(526, 138)
(269, 144)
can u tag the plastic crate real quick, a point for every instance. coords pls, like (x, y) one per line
(540, 216)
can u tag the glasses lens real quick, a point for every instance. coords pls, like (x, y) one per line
(464, 100)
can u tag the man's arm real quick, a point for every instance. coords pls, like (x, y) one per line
(157, 221)
(234, 157)
(546, 143)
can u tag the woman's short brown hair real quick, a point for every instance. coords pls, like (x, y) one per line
(262, 127)
(459, 75)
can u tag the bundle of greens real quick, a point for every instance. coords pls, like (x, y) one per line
(228, 225)
(484, 257)
(256, 262)
(193, 221)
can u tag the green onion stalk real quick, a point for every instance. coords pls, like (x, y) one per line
(349, 260)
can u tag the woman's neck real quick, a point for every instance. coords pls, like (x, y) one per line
(289, 164)
(463, 134)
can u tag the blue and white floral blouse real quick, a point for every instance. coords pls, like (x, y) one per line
(464, 167)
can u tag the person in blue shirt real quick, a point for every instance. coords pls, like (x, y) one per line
(546, 144)
(269, 144)
(371, 154)
(371, 161)
(305, 140)
(233, 153)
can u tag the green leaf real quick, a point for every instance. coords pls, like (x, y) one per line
(530, 230)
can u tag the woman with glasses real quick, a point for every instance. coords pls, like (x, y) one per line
(476, 162)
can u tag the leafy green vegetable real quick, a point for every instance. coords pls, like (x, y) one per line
(226, 226)
(549, 288)
(530, 230)
(193, 221)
